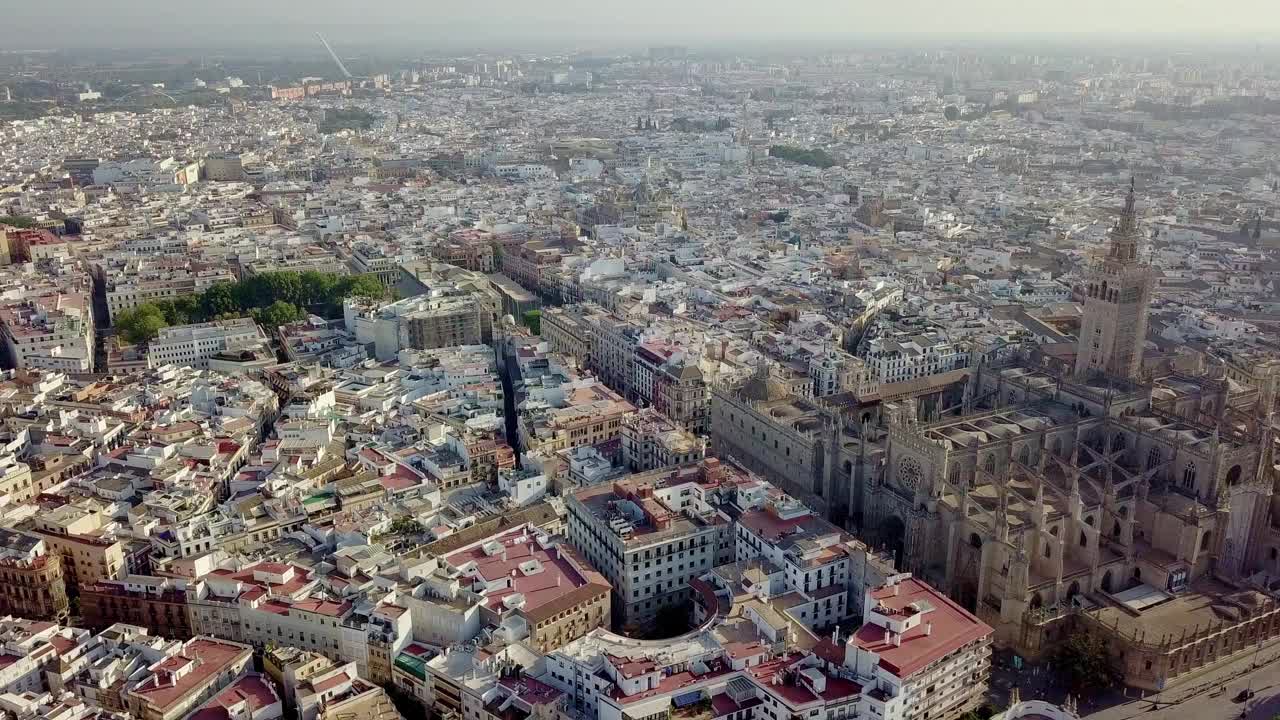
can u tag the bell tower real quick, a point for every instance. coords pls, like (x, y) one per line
(1114, 325)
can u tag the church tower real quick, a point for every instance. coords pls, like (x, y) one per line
(1114, 326)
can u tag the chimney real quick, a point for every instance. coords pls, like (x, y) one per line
(928, 629)
(897, 640)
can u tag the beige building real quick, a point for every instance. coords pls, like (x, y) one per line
(1049, 506)
(591, 414)
(15, 480)
(1113, 330)
(75, 533)
(651, 441)
(31, 582)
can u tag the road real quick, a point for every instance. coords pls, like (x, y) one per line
(1193, 701)
(1265, 705)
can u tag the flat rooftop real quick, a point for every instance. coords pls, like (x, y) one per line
(1207, 602)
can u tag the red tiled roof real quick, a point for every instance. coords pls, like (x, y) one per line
(162, 688)
(952, 627)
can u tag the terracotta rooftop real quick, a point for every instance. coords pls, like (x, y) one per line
(952, 627)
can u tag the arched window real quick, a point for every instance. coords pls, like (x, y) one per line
(1189, 475)
(1054, 531)
(1057, 446)
(1205, 540)
(1084, 539)
(1233, 475)
(1048, 551)
(1024, 455)
(1036, 602)
(1137, 574)
(1124, 511)
(1117, 442)
(975, 541)
(1153, 457)
(1115, 530)
(989, 464)
(1106, 581)
(1074, 590)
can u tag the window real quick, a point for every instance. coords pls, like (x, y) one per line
(1189, 476)
(1153, 457)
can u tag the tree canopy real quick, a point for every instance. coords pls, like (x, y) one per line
(18, 221)
(140, 324)
(813, 157)
(532, 319)
(1084, 663)
(271, 299)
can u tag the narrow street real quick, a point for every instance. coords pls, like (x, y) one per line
(506, 366)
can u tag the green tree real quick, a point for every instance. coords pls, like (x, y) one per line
(361, 286)
(1084, 663)
(406, 526)
(220, 300)
(951, 113)
(18, 221)
(316, 287)
(277, 313)
(532, 319)
(815, 158)
(140, 324)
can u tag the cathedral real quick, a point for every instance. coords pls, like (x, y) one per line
(1053, 495)
(1058, 502)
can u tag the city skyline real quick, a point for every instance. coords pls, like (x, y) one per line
(715, 23)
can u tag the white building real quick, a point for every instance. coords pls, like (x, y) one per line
(899, 358)
(194, 344)
(52, 332)
(919, 654)
(836, 371)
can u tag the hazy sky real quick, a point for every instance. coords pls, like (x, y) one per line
(596, 23)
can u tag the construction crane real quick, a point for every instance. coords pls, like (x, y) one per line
(334, 55)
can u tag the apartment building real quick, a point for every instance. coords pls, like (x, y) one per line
(15, 481)
(469, 248)
(369, 259)
(270, 603)
(75, 532)
(50, 332)
(650, 534)
(651, 441)
(566, 333)
(157, 603)
(836, 371)
(127, 288)
(421, 323)
(182, 682)
(195, 344)
(802, 556)
(899, 357)
(31, 582)
(918, 654)
(533, 588)
(585, 413)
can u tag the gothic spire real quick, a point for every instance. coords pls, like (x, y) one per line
(1125, 235)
